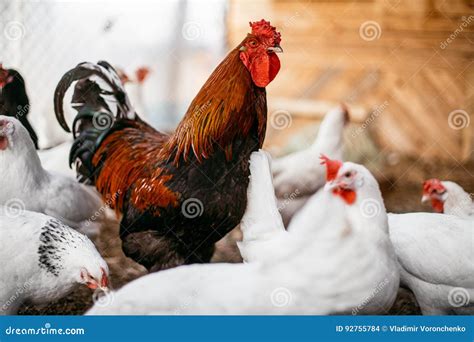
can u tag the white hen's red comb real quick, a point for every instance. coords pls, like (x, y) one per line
(332, 167)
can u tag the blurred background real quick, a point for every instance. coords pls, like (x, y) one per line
(404, 68)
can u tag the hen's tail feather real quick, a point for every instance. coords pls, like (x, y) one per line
(92, 124)
(261, 217)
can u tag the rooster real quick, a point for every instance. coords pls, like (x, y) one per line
(178, 194)
(14, 100)
(448, 197)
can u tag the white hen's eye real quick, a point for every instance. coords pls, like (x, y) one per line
(348, 174)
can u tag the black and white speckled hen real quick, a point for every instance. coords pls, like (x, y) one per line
(43, 260)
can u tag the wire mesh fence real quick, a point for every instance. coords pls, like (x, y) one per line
(180, 41)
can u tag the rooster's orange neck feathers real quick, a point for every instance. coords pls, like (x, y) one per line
(226, 108)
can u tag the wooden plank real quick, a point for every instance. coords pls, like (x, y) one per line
(315, 109)
(468, 132)
(416, 72)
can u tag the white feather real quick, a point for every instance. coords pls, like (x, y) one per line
(261, 224)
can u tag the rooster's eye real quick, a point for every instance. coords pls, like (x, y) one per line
(253, 43)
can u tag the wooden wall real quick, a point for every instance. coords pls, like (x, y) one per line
(401, 77)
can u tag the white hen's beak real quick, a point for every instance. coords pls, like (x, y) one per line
(425, 198)
(329, 186)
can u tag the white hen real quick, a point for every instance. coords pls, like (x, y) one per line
(317, 276)
(262, 226)
(436, 254)
(364, 212)
(27, 185)
(448, 197)
(43, 260)
(299, 175)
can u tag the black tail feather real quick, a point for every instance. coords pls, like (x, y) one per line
(105, 72)
(95, 118)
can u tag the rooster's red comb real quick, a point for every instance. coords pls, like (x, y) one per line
(263, 29)
(332, 167)
(432, 184)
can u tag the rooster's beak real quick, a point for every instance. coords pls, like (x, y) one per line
(425, 198)
(276, 49)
